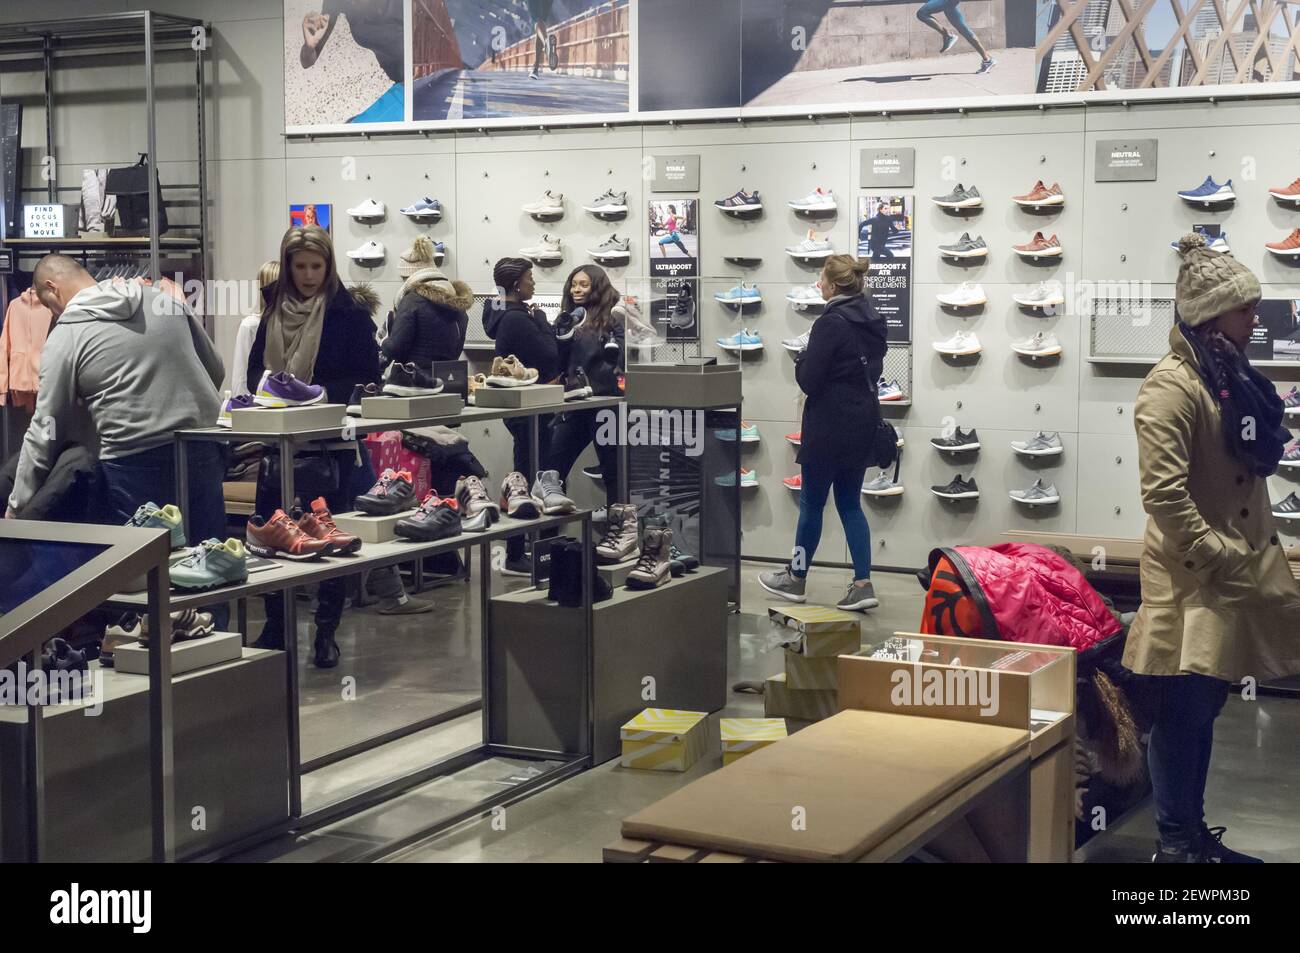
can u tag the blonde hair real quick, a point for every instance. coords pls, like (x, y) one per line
(269, 273)
(844, 272)
(306, 238)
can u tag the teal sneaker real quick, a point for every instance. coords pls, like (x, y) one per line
(742, 340)
(748, 433)
(747, 478)
(212, 564)
(153, 516)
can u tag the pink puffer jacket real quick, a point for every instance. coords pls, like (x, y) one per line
(1033, 595)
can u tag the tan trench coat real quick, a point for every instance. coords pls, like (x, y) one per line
(1218, 597)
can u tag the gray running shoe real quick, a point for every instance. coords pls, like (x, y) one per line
(1288, 509)
(782, 582)
(1291, 456)
(1038, 493)
(966, 247)
(1291, 402)
(960, 198)
(1040, 445)
(612, 249)
(610, 203)
(882, 485)
(548, 493)
(857, 598)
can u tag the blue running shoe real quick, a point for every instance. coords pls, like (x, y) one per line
(425, 208)
(741, 294)
(1210, 191)
(742, 340)
(1217, 243)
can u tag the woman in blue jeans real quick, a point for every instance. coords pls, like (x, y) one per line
(952, 10)
(838, 371)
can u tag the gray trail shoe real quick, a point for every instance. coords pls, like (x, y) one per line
(548, 493)
(857, 598)
(782, 582)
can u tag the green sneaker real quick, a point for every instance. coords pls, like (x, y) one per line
(210, 565)
(153, 516)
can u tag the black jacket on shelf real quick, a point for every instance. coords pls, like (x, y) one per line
(839, 371)
(429, 323)
(349, 352)
(587, 350)
(522, 330)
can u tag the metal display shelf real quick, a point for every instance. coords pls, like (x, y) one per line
(96, 243)
(289, 577)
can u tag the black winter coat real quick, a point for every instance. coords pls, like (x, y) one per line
(429, 323)
(522, 330)
(587, 350)
(349, 352)
(839, 371)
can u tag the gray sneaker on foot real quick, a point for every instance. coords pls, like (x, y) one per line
(548, 493)
(857, 598)
(782, 582)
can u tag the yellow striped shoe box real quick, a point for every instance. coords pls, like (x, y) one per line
(811, 673)
(781, 701)
(807, 619)
(740, 736)
(664, 739)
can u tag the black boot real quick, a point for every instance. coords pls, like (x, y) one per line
(1214, 851)
(325, 650)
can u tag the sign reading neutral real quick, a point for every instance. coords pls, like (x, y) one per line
(887, 168)
(1126, 160)
(676, 174)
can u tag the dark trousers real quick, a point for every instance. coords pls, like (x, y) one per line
(819, 479)
(1182, 737)
(355, 477)
(150, 477)
(523, 462)
(570, 434)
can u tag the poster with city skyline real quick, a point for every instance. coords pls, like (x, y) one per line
(1107, 45)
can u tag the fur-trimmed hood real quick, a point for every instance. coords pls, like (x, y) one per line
(365, 298)
(434, 286)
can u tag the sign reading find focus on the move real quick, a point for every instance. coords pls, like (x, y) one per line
(49, 221)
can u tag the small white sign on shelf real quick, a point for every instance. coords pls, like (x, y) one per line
(49, 221)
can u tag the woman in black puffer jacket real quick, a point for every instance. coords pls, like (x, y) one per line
(429, 319)
(838, 371)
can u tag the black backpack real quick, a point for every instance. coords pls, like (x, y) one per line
(131, 186)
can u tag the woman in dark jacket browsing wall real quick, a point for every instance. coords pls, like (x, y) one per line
(429, 317)
(522, 330)
(322, 333)
(838, 372)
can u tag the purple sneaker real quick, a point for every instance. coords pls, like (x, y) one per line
(285, 390)
(242, 402)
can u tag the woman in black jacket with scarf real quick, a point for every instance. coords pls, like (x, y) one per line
(838, 372)
(323, 334)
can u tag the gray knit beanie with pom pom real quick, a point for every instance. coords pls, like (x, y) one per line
(1210, 283)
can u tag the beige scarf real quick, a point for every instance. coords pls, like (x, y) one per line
(293, 336)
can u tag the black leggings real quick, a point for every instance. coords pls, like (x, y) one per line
(570, 434)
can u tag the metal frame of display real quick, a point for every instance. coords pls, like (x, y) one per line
(130, 553)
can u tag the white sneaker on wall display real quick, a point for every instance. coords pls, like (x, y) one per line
(961, 344)
(969, 294)
(805, 297)
(1040, 345)
(1038, 493)
(548, 250)
(1039, 445)
(818, 200)
(550, 205)
(613, 250)
(609, 203)
(1045, 295)
(370, 208)
(372, 252)
(811, 247)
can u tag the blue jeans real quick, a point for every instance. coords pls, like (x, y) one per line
(818, 481)
(950, 9)
(1182, 736)
(150, 477)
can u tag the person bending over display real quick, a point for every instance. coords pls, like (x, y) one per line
(140, 362)
(952, 10)
(1219, 602)
(838, 371)
(321, 333)
(522, 330)
(376, 25)
(671, 236)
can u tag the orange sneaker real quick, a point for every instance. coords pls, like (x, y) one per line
(318, 523)
(1039, 247)
(1288, 247)
(280, 538)
(1040, 196)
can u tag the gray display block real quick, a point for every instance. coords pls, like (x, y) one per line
(231, 764)
(683, 385)
(676, 174)
(1126, 160)
(411, 408)
(288, 419)
(675, 635)
(616, 573)
(371, 529)
(186, 656)
(534, 395)
(887, 168)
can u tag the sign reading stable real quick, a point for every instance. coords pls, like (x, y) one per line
(676, 174)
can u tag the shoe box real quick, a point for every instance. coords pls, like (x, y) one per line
(288, 419)
(372, 529)
(530, 395)
(186, 656)
(782, 701)
(664, 739)
(683, 385)
(742, 736)
(808, 688)
(411, 408)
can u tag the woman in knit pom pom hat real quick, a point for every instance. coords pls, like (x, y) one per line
(1219, 603)
(429, 319)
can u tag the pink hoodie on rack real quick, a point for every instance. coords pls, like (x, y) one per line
(27, 324)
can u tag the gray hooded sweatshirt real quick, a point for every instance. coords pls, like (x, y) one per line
(132, 357)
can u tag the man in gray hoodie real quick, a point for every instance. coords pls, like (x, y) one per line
(140, 364)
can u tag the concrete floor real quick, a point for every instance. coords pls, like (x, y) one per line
(1253, 784)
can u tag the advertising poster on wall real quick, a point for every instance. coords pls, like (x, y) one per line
(492, 59)
(675, 266)
(885, 237)
(344, 62)
(1277, 336)
(321, 214)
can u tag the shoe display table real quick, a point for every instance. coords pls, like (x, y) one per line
(675, 634)
(231, 764)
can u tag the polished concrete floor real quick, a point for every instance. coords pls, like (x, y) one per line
(410, 668)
